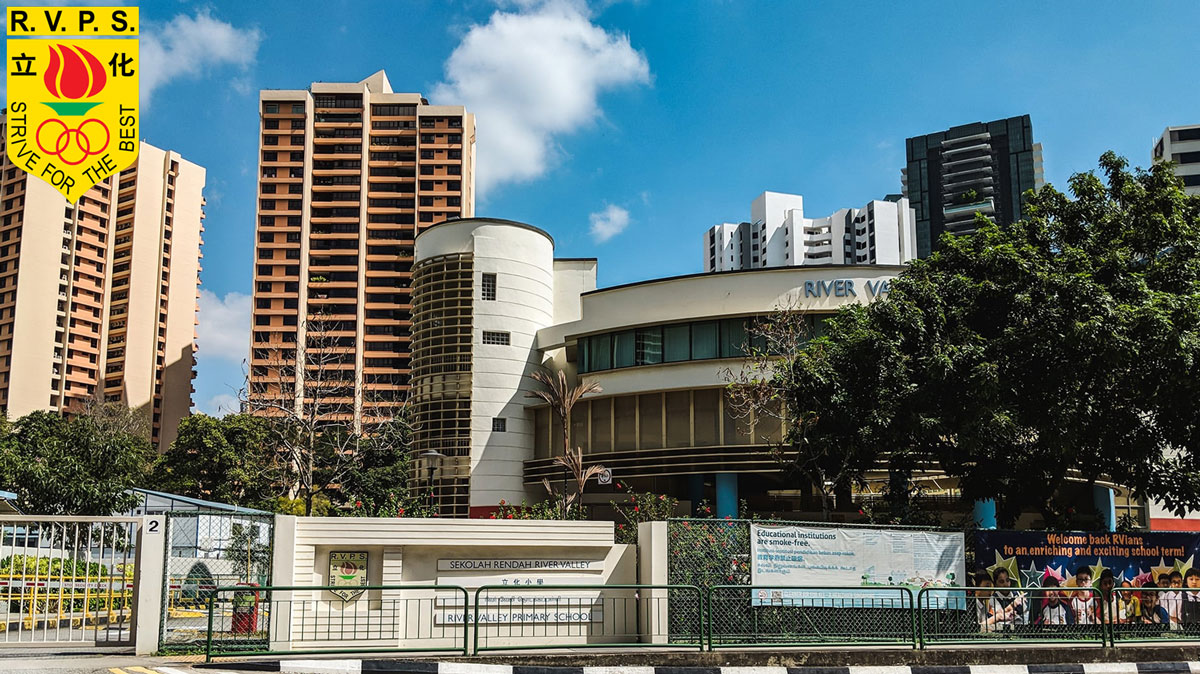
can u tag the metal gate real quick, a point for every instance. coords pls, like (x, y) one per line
(204, 551)
(67, 580)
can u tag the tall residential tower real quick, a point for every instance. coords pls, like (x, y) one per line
(349, 173)
(778, 235)
(984, 167)
(1181, 145)
(98, 300)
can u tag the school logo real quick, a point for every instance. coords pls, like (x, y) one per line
(73, 107)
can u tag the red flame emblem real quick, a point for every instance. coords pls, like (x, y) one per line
(74, 73)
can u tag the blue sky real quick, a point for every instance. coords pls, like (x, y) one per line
(625, 129)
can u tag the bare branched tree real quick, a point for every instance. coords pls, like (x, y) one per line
(321, 412)
(561, 397)
(788, 380)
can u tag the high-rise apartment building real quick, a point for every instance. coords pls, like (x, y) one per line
(778, 235)
(1181, 145)
(984, 167)
(349, 173)
(98, 300)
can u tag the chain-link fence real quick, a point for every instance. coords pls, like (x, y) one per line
(207, 550)
(799, 616)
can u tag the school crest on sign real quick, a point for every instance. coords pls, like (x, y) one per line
(72, 109)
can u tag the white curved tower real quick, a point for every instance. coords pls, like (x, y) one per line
(482, 288)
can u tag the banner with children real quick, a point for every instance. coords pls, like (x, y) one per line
(1031, 557)
(1143, 579)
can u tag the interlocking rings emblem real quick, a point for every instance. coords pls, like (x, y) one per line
(72, 146)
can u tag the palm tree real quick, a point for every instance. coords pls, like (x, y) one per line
(561, 398)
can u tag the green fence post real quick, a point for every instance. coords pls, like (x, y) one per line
(920, 618)
(208, 639)
(706, 617)
(912, 613)
(466, 626)
(475, 620)
(699, 627)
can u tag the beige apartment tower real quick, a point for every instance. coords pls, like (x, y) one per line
(349, 173)
(98, 300)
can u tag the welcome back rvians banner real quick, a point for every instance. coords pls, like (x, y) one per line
(72, 99)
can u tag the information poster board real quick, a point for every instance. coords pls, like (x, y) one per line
(791, 556)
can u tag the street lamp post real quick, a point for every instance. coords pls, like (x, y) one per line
(430, 456)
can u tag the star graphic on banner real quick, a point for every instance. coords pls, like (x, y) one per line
(1142, 578)
(1055, 573)
(1097, 569)
(1031, 577)
(1182, 566)
(1009, 565)
(1161, 569)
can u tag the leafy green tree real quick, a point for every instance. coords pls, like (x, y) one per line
(231, 459)
(77, 466)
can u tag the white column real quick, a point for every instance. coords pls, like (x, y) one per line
(283, 573)
(652, 570)
(148, 584)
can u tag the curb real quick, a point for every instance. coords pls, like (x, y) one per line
(417, 667)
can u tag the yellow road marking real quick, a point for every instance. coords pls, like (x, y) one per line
(116, 670)
(142, 670)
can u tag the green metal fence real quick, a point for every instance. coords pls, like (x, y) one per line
(755, 616)
(338, 619)
(979, 615)
(519, 617)
(1154, 615)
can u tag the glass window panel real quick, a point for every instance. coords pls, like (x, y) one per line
(623, 349)
(679, 419)
(818, 328)
(585, 354)
(556, 435)
(602, 425)
(676, 346)
(767, 429)
(650, 421)
(704, 340)
(649, 346)
(601, 352)
(541, 441)
(733, 337)
(625, 420)
(737, 430)
(708, 417)
(579, 425)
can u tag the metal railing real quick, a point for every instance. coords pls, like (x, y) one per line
(519, 617)
(1154, 614)
(975, 615)
(773, 615)
(337, 619)
(67, 579)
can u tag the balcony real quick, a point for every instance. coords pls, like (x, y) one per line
(985, 206)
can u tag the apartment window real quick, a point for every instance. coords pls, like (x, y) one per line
(500, 338)
(271, 108)
(297, 108)
(489, 287)
(499, 425)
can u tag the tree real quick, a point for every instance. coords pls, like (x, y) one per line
(1063, 347)
(231, 459)
(322, 416)
(73, 466)
(561, 397)
(821, 390)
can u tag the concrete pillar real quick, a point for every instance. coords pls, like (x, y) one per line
(695, 491)
(727, 495)
(1106, 504)
(652, 570)
(148, 583)
(283, 573)
(984, 513)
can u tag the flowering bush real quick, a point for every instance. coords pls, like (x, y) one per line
(638, 508)
(546, 510)
(393, 505)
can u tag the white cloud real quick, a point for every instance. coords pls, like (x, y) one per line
(191, 46)
(224, 330)
(530, 75)
(608, 223)
(220, 405)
